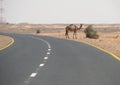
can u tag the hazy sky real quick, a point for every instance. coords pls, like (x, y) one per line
(62, 11)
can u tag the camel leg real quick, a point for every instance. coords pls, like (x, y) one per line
(74, 35)
(66, 34)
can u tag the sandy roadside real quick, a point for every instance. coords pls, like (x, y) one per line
(4, 41)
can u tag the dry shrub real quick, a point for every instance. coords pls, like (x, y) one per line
(90, 33)
(38, 31)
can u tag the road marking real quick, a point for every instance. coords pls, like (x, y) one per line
(12, 41)
(33, 75)
(110, 53)
(48, 53)
(45, 58)
(49, 49)
(41, 65)
(43, 41)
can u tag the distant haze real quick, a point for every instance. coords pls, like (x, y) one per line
(62, 11)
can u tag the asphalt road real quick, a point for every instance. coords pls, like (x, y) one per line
(34, 60)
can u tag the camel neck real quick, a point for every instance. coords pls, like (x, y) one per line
(80, 27)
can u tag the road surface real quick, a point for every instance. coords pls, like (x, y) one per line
(34, 60)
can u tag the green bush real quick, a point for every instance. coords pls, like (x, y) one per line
(90, 33)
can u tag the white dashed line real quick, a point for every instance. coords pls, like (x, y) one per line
(41, 65)
(45, 58)
(27, 81)
(43, 41)
(33, 74)
(49, 49)
(48, 53)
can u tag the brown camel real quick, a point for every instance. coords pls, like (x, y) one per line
(72, 28)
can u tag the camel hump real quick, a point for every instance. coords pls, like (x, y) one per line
(72, 26)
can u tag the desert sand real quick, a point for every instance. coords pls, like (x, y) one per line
(4, 41)
(109, 35)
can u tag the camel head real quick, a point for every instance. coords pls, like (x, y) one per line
(80, 26)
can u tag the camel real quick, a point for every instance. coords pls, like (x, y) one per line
(72, 28)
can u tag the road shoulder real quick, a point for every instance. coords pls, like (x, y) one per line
(5, 41)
